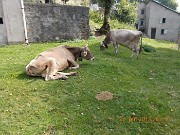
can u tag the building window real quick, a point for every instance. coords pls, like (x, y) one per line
(164, 32)
(142, 11)
(163, 20)
(1, 21)
(141, 22)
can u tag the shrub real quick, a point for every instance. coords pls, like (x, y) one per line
(115, 24)
(96, 16)
(148, 48)
(125, 12)
(96, 20)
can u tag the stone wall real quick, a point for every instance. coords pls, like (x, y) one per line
(51, 22)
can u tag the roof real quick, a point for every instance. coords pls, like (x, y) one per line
(159, 3)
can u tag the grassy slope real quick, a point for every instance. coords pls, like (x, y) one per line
(148, 88)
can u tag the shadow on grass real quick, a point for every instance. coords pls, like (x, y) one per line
(24, 76)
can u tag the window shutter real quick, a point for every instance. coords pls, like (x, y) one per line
(165, 31)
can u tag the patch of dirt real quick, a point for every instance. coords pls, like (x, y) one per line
(104, 95)
(50, 131)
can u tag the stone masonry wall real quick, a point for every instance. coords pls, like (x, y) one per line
(51, 22)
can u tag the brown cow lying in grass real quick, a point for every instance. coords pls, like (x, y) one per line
(48, 64)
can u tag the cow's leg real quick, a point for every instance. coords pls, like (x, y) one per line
(137, 54)
(51, 68)
(73, 63)
(132, 53)
(135, 49)
(68, 74)
(116, 47)
(61, 75)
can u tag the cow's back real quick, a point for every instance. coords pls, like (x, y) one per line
(123, 36)
(60, 53)
(120, 36)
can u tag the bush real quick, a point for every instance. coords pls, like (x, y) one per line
(125, 12)
(148, 48)
(96, 16)
(115, 24)
(96, 21)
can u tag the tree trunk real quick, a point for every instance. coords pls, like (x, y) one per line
(48, 1)
(105, 28)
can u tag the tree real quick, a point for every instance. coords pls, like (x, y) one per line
(93, 1)
(126, 12)
(105, 28)
(171, 3)
(48, 1)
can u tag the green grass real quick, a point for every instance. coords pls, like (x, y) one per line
(148, 87)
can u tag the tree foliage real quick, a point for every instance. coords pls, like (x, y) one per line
(85, 2)
(126, 12)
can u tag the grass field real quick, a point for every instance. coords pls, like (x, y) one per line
(146, 93)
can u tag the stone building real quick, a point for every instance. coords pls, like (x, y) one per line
(11, 23)
(42, 22)
(158, 21)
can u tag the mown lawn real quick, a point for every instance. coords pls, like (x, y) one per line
(146, 93)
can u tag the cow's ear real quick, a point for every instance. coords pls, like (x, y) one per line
(32, 67)
(86, 47)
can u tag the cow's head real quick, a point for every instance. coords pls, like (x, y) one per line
(103, 45)
(86, 54)
(33, 69)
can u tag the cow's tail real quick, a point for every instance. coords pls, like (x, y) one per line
(140, 49)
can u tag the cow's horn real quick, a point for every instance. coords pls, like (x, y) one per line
(96, 29)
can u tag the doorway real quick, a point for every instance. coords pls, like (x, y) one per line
(3, 34)
(153, 33)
